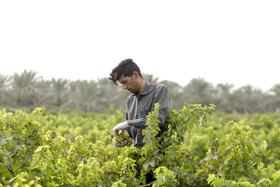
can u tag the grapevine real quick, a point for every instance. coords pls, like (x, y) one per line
(122, 139)
(199, 148)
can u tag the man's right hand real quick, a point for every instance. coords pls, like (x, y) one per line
(120, 126)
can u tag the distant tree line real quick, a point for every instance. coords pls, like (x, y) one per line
(27, 90)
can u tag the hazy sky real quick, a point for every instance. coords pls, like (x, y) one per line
(236, 42)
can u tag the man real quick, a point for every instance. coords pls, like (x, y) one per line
(141, 101)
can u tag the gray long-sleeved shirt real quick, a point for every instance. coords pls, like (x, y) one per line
(139, 106)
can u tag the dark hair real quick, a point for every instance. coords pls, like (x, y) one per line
(125, 68)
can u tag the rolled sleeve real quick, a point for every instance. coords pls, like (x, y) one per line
(139, 123)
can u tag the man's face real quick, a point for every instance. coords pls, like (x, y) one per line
(129, 83)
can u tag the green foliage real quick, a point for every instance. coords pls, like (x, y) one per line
(217, 182)
(164, 177)
(150, 155)
(233, 155)
(178, 122)
(168, 150)
(75, 149)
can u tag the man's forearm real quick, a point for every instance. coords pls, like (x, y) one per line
(129, 122)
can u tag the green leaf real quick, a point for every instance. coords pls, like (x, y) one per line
(146, 164)
(4, 172)
(210, 178)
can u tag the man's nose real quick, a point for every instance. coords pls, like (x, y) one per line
(124, 86)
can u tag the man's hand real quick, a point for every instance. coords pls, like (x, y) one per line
(121, 126)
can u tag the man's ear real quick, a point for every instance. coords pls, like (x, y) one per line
(135, 74)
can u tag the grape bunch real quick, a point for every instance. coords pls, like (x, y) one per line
(122, 139)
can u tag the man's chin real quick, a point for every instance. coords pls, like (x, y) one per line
(131, 91)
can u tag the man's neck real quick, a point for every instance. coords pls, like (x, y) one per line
(142, 85)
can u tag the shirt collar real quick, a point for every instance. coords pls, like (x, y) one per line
(145, 89)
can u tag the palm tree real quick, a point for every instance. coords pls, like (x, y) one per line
(82, 96)
(59, 89)
(274, 101)
(276, 89)
(43, 93)
(198, 91)
(109, 95)
(3, 80)
(23, 87)
(175, 91)
(224, 97)
(150, 78)
(4, 99)
(249, 100)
